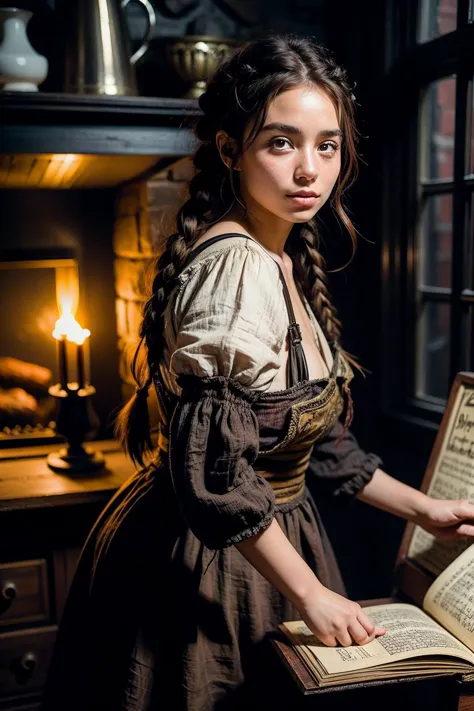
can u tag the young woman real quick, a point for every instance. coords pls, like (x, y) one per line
(206, 550)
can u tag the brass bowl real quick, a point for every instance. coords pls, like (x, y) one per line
(195, 58)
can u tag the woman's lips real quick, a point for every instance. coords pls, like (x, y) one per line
(302, 201)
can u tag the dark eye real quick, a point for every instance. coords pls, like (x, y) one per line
(328, 147)
(280, 143)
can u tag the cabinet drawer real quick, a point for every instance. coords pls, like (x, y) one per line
(24, 660)
(24, 594)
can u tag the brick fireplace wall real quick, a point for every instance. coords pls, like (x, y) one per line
(144, 217)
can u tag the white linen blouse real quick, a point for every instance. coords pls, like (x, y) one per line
(227, 316)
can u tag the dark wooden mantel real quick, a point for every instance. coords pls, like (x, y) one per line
(70, 123)
(70, 140)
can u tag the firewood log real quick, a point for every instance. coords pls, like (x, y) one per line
(17, 407)
(29, 376)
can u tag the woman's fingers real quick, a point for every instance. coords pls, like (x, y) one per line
(328, 640)
(465, 529)
(355, 633)
(366, 622)
(359, 634)
(367, 631)
(371, 629)
(334, 620)
(344, 638)
(359, 630)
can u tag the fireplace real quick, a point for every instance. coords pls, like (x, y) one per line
(28, 358)
(91, 249)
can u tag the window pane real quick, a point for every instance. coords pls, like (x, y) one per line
(437, 130)
(436, 241)
(471, 11)
(437, 17)
(469, 276)
(433, 350)
(470, 130)
(470, 340)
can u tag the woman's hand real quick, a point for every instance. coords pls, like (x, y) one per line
(445, 519)
(335, 620)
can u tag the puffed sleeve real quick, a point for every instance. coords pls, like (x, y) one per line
(214, 441)
(338, 466)
(227, 348)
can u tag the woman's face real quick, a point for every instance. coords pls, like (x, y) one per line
(298, 151)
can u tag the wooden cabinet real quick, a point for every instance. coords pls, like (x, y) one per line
(24, 659)
(24, 593)
(44, 520)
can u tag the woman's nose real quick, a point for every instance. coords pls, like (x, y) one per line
(307, 167)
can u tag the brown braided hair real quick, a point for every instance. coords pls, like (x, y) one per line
(237, 97)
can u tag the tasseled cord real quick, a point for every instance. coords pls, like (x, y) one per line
(133, 427)
(297, 366)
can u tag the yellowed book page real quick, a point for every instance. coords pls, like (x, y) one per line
(407, 667)
(411, 633)
(450, 599)
(453, 478)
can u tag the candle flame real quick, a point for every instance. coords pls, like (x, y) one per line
(67, 289)
(67, 327)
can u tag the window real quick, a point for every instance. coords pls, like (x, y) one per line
(437, 17)
(429, 244)
(435, 237)
(444, 293)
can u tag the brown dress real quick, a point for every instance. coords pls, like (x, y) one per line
(164, 612)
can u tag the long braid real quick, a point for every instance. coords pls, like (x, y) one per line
(310, 267)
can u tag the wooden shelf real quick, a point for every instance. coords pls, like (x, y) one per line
(59, 171)
(69, 140)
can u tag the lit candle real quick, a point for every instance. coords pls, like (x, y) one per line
(81, 346)
(62, 362)
(80, 365)
(68, 330)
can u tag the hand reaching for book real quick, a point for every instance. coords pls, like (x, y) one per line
(335, 620)
(446, 519)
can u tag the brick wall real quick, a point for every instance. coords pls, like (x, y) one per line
(144, 216)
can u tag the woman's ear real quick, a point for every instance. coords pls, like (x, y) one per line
(227, 150)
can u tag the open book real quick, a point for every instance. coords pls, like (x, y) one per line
(439, 639)
(449, 475)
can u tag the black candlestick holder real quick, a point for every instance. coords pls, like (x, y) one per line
(75, 421)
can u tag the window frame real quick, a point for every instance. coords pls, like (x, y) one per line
(410, 67)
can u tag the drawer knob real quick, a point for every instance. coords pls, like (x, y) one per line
(28, 662)
(9, 591)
